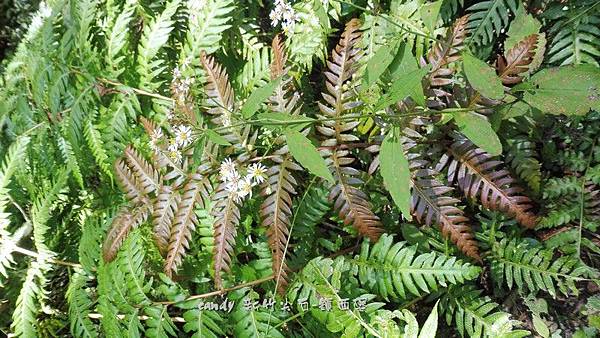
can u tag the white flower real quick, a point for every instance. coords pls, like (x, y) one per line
(226, 119)
(183, 135)
(176, 73)
(257, 172)
(175, 155)
(283, 12)
(227, 170)
(157, 134)
(170, 115)
(172, 145)
(245, 187)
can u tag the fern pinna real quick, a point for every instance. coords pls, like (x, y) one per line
(301, 168)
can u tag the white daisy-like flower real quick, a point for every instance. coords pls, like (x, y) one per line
(245, 187)
(175, 155)
(157, 134)
(172, 145)
(257, 172)
(176, 73)
(228, 170)
(170, 115)
(183, 135)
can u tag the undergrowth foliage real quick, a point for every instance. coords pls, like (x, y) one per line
(302, 168)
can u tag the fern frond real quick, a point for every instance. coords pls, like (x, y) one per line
(516, 61)
(159, 322)
(96, 145)
(445, 52)
(147, 176)
(155, 36)
(395, 270)
(117, 38)
(129, 182)
(8, 166)
(207, 23)
(488, 18)
(227, 216)
(521, 155)
(130, 266)
(80, 304)
(165, 207)
(576, 38)
(478, 175)
(350, 202)
(185, 221)
(120, 227)
(255, 72)
(276, 211)
(203, 323)
(26, 308)
(477, 316)
(254, 322)
(534, 268)
(320, 279)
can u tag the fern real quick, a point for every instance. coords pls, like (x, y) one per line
(477, 316)
(488, 18)
(250, 321)
(394, 270)
(80, 304)
(575, 37)
(533, 268)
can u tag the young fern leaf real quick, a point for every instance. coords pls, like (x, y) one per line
(120, 227)
(96, 145)
(146, 174)
(445, 52)
(533, 268)
(227, 217)
(350, 202)
(395, 270)
(80, 305)
(165, 207)
(185, 221)
(477, 175)
(255, 322)
(516, 61)
(276, 211)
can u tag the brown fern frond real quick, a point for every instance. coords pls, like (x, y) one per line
(218, 89)
(227, 217)
(279, 58)
(145, 172)
(128, 181)
(478, 175)
(173, 170)
(149, 125)
(430, 203)
(276, 212)
(165, 207)
(517, 60)
(185, 222)
(350, 202)
(446, 52)
(122, 224)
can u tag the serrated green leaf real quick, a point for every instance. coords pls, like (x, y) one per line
(482, 77)
(479, 131)
(216, 138)
(569, 90)
(396, 173)
(307, 155)
(258, 97)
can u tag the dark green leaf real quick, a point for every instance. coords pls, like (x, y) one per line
(380, 61)
(479, 131)
(395, 172)
(216, 138)
(565, 90)
(257, 97)
(482, 77)
(408, 85)
(307, 155)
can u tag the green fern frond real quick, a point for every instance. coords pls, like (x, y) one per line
(155, 36)
(533, 268)
(96, 145)
(521, 155)
(477, 316)
(255, 72)
(251, 321)
(576, 38)
(203, 323)
(488, 18)
(159, 323)
(207, 22)
(12, 160)
(27, 306)
(130, 263)
(117, 37)
(396, 271)
(80, 304)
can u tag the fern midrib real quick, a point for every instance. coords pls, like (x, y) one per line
(277, 223)
(358, 220)
(524, 266)
(180, 230)
(482, 24)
